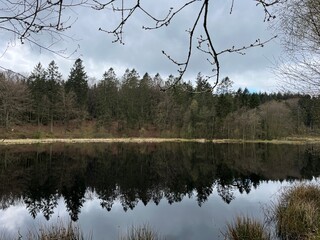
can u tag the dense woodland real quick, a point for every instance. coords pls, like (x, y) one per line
(132, 105)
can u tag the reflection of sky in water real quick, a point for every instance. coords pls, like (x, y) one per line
(183, 220)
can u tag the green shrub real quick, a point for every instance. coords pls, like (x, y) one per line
(37, 135)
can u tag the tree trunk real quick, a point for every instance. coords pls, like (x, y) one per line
(7, 119)
(51, 124)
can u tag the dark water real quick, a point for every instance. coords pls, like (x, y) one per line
(182, 190)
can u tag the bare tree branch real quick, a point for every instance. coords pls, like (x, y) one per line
(27, 19)
(184, 65)
(266, 4)
(205, 43)
(256, 43)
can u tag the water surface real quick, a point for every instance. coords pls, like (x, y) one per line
(182, 190)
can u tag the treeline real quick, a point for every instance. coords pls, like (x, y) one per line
(118, 105)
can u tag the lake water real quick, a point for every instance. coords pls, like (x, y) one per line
(181, 190)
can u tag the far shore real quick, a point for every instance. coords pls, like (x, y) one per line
(291, 140)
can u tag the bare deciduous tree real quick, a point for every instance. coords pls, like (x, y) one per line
(299, 25)
(14, 99)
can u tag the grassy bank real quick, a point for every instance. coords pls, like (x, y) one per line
(297, 213)
(294, 216)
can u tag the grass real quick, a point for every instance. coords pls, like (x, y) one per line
(144, 232)
(245, 228)
(297, 213)
(296, 216)
(57, 231)
(70, 231)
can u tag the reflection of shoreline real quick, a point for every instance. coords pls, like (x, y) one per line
(143, 172)
(155, 140)
(252, 206)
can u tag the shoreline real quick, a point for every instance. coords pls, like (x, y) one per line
(296, 140)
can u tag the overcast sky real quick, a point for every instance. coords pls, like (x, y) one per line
(142, 49)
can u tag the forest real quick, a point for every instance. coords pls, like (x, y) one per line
(46, 105)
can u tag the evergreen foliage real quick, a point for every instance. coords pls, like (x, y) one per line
(78, 83)
(36, 83)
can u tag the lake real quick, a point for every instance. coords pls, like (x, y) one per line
(182, 190)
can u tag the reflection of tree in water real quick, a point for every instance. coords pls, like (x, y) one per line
(129, 199)
(203, 194)
(107, 196)
(226, 188)
(203, 187)
(130, 173)
(157, 194)
(230, 180)
(41, 193)
(312, 163)
(74, 196)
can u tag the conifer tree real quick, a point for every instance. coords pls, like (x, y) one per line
(37, 85)
(107, 99)
(53, 84)
(145, 98)
(129, 96)
(78, 83)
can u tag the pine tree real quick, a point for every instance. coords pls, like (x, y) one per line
(37, 85)
(53, 84)
(107, 97)
(145, 99)
(206, 113)
(78, 83)
(129, 96)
